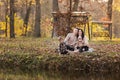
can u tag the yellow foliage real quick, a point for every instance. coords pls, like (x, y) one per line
(19, 29)
(116, 5)
(46, 27)
(1, 3)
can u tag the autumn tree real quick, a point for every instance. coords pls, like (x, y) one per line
(12, 11)
(26, 19)
(37, 31)
(109, 9)
(55, 19)
(115, 18)
(75, 5)
(6, 3)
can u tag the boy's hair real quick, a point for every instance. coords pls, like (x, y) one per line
(60, 39)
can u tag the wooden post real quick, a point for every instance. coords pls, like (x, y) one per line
(111, 31)
(84, 27)
(91, 30)
(88, 30)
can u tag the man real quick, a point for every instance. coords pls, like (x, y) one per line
(71, 38)
(69, 42)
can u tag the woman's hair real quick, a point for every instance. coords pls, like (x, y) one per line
(83, 35)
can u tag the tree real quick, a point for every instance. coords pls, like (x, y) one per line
(6, 3)
(26, 19)
(75, 6)
(115, 18)
(37, 31)
(12, 11)
(109, 12)
(109, 9)
(55, 19)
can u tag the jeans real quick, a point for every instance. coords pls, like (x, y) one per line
(71, 48)
(83, 48)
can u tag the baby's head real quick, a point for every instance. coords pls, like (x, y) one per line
(79, 38)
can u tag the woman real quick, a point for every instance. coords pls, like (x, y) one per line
(82, 43)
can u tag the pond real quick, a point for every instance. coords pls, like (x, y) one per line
(44, 75)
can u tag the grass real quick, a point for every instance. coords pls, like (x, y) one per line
(39, 53)
(48, 45)
(27, 45)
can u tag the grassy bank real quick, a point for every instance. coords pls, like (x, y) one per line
(34, 62)
(39, 54)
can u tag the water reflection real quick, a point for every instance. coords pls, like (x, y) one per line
(4, 75)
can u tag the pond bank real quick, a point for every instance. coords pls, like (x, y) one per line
(55, 62)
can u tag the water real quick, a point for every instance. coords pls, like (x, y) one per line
(6, 75)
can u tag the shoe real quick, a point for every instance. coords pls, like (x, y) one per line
(90, 50)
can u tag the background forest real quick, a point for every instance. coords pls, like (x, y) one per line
(34, 17)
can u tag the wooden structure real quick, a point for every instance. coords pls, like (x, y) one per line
(109, 23)
(82, 18)
(74, 17)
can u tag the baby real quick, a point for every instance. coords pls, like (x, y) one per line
(79, 42)
(80, 46)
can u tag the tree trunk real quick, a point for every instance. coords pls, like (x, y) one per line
(109, 10)
(26, 19)
(6, 17)
(55, 5)
(115, 19)
(55, 19)
(109, 15)
(12, 34)
(37, 32)
(75, 6)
